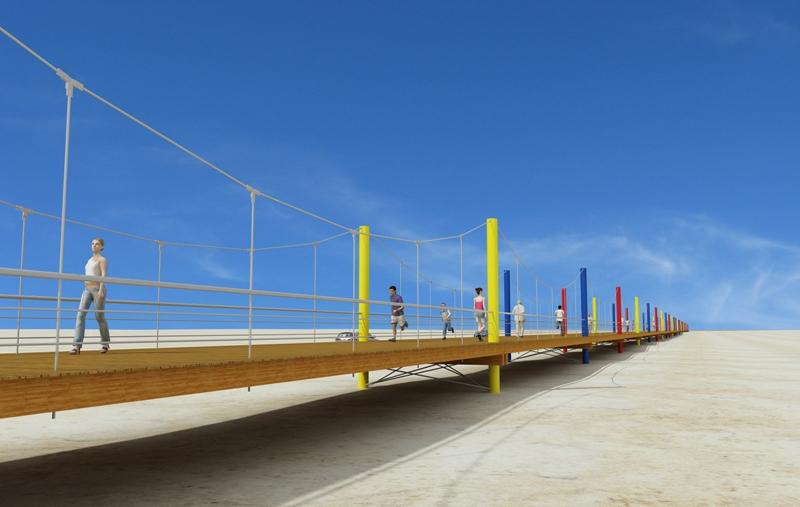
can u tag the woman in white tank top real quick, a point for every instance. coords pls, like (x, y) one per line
(93, 292)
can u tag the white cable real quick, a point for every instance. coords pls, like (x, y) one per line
(179, 304)
(158, 295)
(353, 321)
(210, 164)
(177, 244)
(204, 246)
(392, 238)
(401, 276)
(166, 138)
(252, 255)
(29, 50)
(430, 306)
(519, 259)
(21, 266)
(456, 236)
(419, 321)
(315, 293)
(298, 245)
(69, 89)
(461, 277)
(408, 240)
(76, 222)
(402, 263)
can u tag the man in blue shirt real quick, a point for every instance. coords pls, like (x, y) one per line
(398, 316)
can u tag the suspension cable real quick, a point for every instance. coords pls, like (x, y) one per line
(164, 137)
(32, 211)
(177, 244)
(413, 241)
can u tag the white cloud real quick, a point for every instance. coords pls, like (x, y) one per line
(210, 265)
(718, 300)
(741, 279)
(617, 250)
(736, 25)
(706, 226)
(711, 274)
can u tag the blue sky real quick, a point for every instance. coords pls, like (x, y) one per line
(654, 143)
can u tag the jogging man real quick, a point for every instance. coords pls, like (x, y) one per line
(398, 316)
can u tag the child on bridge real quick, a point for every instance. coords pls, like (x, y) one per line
(447, 320)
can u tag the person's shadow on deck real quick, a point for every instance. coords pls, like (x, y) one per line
(280, 455)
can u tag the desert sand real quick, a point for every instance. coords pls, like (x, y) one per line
(704, 418)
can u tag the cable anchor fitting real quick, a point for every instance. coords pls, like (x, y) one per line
(69, 83)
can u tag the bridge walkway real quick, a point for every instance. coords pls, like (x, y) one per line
(28, 384)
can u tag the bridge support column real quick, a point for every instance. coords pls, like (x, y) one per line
(656, 322)
(507, 301)
(493, 297)
(613, 318)
(636, 324)
(584, 313)
(363, 294)
(565, 322)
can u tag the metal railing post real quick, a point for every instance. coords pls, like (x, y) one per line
(69, 86)
(21, 266)
(158, 294)
(314, 316)
(419, 323)
(252, 255)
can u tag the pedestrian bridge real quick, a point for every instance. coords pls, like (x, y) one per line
(156, 356)
(28, 384)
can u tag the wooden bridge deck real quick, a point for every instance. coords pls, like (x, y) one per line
(28, 384)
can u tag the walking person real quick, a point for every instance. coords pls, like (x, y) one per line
(479, 306)
(447, 320)
(519, 318)
(93, 292)
(398, 318)
(560, 320)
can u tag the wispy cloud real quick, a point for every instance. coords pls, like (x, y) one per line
(706, 226)
(210, 265)
(48, 124)
(718, 300)
(619, 250)
(713, 274)
(734, 25)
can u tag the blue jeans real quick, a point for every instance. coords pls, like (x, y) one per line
(90, 295)
(448, 326)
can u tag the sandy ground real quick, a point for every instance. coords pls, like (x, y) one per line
(708, 418)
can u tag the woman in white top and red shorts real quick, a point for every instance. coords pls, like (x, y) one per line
(479, 306)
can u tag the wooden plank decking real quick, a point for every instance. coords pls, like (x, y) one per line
(28, 384)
